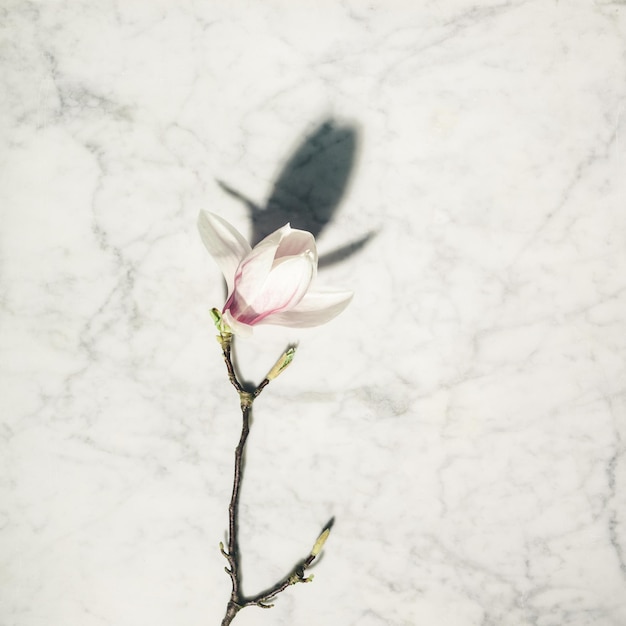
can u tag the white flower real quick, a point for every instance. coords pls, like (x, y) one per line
(272, 282)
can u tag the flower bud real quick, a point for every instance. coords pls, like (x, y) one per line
(219, 322)
(319, 544)
(282, 363)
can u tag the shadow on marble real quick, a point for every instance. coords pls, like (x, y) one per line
(310, 187)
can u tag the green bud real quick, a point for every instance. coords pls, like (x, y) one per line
(219, 322)
(282, 363)
(216, 316)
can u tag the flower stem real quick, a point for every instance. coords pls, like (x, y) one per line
(231, 610)
(237, 599)
(233, 508)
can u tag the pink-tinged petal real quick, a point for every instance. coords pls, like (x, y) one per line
(256, 266)
(252, 275)
(284, 288)
(317, 307)
(239, 329)
(227, 246)
(253, 272)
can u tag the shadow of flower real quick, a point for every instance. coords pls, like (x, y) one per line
(309, 188)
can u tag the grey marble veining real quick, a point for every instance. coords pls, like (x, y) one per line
(463, 420)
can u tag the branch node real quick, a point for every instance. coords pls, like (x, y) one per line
(246, 399)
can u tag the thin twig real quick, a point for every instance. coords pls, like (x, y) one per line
(237, 599)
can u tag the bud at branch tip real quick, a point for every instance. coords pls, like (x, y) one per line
(319, 544)
(219, 322)
(282, 363)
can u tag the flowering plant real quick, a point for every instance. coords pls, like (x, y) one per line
(272, 283)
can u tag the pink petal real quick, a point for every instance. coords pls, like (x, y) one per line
(255, 268)
(227, 246)
(253, 271)
(284, 288)
(238, 328)
(315, 308)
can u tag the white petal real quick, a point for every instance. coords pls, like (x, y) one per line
(285, 286)
(253, 272)
(317, 307)
(225, 244)
(298, 242)
(295, 242)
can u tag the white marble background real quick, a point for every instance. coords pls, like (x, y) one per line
(463, 421)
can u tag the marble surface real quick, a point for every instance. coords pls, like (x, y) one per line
(464, 420)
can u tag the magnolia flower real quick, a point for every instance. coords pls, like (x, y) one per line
(272, 282)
